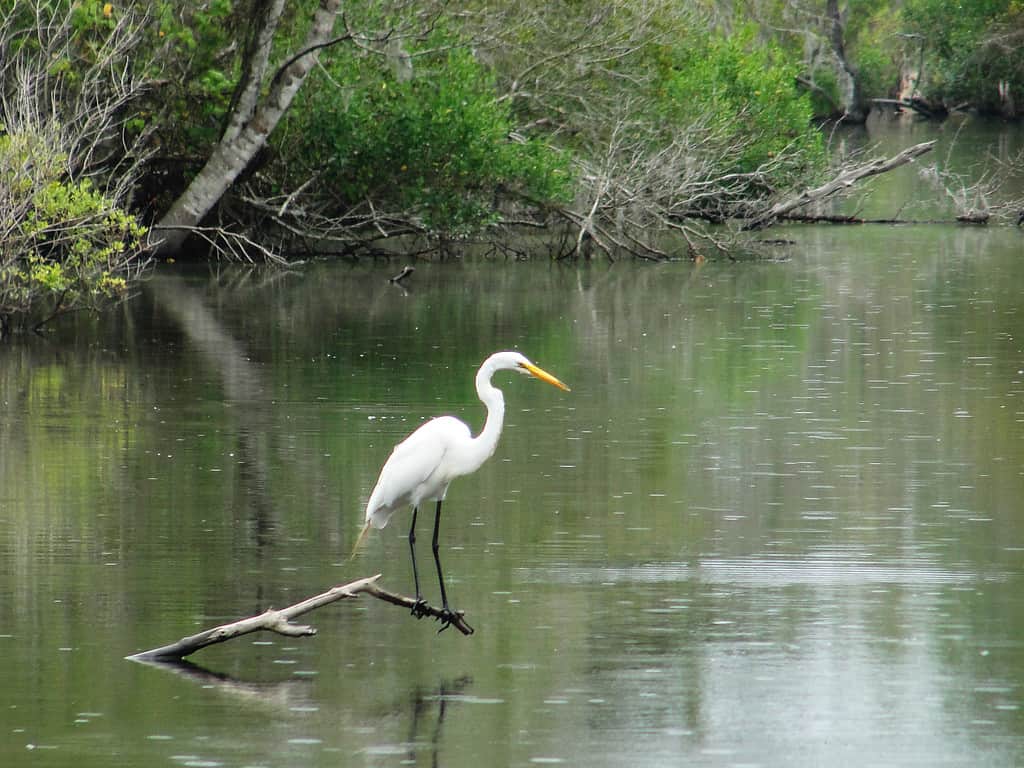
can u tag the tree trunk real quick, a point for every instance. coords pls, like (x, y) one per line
(850, 100)
(244, 137)
(257, 58)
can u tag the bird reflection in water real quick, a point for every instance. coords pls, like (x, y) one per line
(423, 700)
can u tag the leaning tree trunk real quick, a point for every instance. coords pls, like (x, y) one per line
(248, 128)
(850, 99)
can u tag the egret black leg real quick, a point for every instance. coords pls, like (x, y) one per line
(437, 558)
(418, 607)
(446, 611)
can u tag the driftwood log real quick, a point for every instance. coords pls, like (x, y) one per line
(846, 179)
(281, 620)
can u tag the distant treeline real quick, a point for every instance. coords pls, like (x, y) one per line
(267, 128)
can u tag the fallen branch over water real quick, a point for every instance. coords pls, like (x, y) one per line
(827, 218)
(281, 620)
(846, 179)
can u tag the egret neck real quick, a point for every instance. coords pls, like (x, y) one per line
(486, 442)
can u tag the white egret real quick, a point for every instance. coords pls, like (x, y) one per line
(421, 467)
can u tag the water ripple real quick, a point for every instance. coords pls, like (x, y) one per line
(760, 571)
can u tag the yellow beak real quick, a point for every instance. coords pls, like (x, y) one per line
(543, 375)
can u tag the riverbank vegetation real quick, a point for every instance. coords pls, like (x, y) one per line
(929, 56)
(278, 128)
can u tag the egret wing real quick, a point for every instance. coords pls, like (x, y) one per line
(412, 472)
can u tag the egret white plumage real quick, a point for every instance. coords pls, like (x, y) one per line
(421, 467)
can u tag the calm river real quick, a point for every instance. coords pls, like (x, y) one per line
(779, 520)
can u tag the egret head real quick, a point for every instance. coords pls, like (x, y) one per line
(514, 361)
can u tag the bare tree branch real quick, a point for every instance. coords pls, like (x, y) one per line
(846, 179)
(281, 621)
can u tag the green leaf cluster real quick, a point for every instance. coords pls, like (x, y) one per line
(198, 67)
(437, 144)
(64, 244)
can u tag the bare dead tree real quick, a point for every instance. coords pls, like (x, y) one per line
(638, 192)
(987, 195)
(578, 77)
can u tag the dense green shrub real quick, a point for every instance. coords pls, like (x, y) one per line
(63, 244)
(825, 95)
(436, 145)
(744, 92)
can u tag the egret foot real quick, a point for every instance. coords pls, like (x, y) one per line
(420, 608)
(446, 617)
(450, 618)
